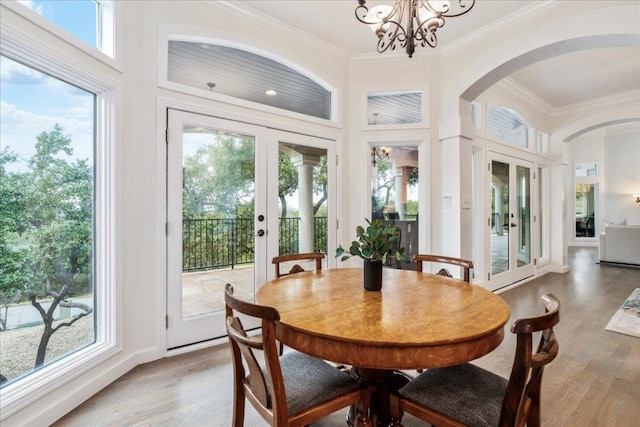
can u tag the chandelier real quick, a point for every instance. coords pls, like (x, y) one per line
(421, 19)
(379, 154)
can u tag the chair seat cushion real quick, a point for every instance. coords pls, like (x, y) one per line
(309, 381)
(466, 393)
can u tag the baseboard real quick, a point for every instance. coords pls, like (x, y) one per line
(618, 264)
(68, 397)
(562, 269)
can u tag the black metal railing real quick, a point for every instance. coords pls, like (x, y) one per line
(209, 243)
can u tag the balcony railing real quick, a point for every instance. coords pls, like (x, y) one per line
(209, 243)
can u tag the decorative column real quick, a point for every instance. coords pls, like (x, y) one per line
(401, 174)
(305, 164)
(498, 190)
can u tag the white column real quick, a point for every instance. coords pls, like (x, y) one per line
(499, 208)
(401, 190)
(305, 163)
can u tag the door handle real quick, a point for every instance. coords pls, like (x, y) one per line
(513, 224)
(260, 233)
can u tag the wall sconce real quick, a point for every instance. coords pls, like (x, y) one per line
(637, 196)
(379, 153)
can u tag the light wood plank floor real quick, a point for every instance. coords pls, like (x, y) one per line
(595, 381)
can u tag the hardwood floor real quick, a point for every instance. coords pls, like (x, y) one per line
(595, 381)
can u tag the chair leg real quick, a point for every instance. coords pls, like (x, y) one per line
(238, 410)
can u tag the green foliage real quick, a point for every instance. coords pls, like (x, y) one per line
(374, 243)
(46, 212)
(219, 177)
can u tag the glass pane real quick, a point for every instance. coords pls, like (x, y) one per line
(394, 196)
(217, 215)
(499, 217)
(540, 217)
(46, 219)
(585, 204)
(523, 194)
(393, 108)
(302, 201)
(245, 75)
(505, 124)
(78, 17)
(586, 169)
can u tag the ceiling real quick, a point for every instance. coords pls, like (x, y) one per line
(561, 81)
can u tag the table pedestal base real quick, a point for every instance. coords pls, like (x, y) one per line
(384, 382)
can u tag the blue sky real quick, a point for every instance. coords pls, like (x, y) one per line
(32, 102)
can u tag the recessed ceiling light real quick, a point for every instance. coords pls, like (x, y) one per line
(271, 92)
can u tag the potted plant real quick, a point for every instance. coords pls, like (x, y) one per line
(374, 244)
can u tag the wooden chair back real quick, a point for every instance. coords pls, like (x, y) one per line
(268, 397)
(466, 265)
(296, 268)
(521, 404)
(264, 387)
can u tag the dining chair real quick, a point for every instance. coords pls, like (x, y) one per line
(294, 389)
(469, 395)
(296, 268)
(464, 263)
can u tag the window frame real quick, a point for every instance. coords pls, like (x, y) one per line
(597, 182)
(171, 33)
(24, 42)
(528, 130)
(108, 53)
(425, 103)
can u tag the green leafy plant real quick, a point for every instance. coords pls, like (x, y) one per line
(374, 243)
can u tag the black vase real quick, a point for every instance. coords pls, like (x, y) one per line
(372, 275)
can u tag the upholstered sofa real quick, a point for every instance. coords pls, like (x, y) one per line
(620, 244)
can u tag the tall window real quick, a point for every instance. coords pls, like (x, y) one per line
(586, 186)
(47, 219)
(58, 263)
(394, 195)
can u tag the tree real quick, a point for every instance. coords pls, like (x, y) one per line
(287, 182)
(47, 226)
(219, 177)
(320, 183)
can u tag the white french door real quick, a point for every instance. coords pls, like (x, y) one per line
(216, 216)
(237, 195)
(509, 221)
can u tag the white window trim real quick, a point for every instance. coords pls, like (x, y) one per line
(173, 33)
(425, 103)
(422, 144)
(530, 148)
(109, 25)
(18, 44)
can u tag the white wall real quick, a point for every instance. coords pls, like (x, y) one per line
(142, 302)
(622, 158)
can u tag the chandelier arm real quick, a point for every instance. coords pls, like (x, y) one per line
(362, 12)
(445, 12)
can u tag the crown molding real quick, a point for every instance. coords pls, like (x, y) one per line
(520, 95)
(246, 12)
(608, 102)
(511, 20)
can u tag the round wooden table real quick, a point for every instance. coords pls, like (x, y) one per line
(417, 320)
